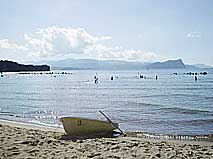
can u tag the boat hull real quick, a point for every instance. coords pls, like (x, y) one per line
(83, 126)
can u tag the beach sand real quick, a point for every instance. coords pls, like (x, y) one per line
(25, 141)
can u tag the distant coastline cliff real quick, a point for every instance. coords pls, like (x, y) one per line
(92, 64)
(170, 64)
(10, 66)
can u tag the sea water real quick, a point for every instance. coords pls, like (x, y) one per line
(172, 104)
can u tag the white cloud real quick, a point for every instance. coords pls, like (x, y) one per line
(118, 53)
(5, 44)
(53, 42)
(62, 41)
(194, 35)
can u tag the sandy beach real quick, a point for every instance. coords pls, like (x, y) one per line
(27, 141)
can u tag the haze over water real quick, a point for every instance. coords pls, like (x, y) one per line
(173, 104)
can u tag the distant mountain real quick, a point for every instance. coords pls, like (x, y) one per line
(91, 64)
(10, 66)
(170, 64)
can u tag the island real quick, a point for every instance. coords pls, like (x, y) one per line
(170, 64)
(10, 66)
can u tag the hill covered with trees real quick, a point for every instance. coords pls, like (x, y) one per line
(10, 66)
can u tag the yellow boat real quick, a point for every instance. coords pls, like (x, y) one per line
(84, 126)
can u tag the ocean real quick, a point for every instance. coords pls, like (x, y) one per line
(172, 104)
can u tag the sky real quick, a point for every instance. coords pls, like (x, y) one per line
(129, 30)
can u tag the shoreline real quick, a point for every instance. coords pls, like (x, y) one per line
(27, 141)
(30, 125)
(133, 134)
(137, 134)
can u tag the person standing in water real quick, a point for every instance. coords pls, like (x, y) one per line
(195, 78)
(96, 78)
(156, 77)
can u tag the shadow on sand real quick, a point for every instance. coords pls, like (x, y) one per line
(113, 134)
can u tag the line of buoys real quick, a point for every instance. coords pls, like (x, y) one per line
(195, 73)
(203, 73)
(45, 73)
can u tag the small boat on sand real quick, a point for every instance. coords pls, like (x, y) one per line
(84, 126)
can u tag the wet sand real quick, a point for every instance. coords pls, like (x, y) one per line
(27, 141)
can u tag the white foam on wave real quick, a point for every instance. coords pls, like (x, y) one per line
(44, 124)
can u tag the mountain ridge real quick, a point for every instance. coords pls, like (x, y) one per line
(169, 64)
(93, 64)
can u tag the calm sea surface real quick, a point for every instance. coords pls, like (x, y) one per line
(173, 104)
